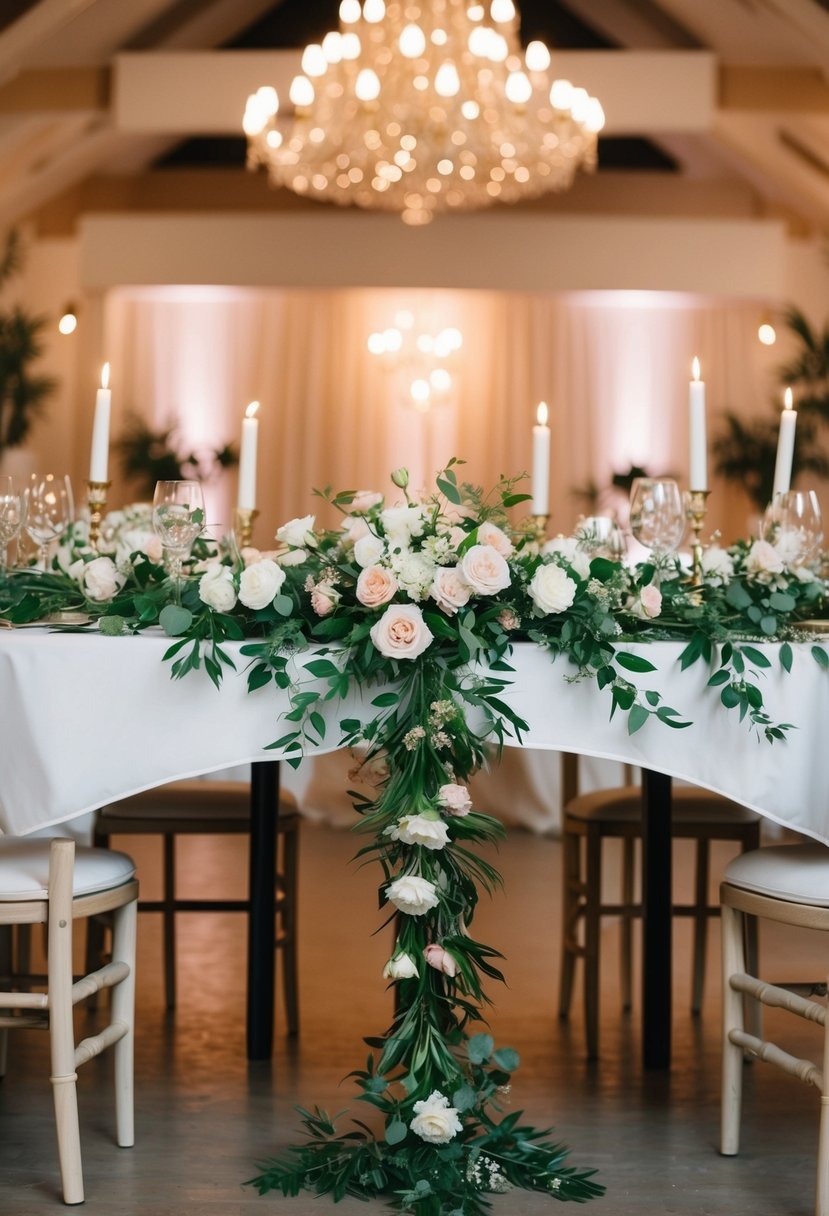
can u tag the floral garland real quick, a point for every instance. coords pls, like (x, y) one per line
(424, 598)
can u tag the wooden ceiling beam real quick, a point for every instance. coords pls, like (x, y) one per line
(50, 90)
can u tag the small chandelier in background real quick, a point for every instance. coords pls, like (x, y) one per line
(422, 363)
(420, 107)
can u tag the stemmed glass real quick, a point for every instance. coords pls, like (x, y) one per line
(601, 536)
(49, 511)
(12, 515)
(793, 524)
(657, 517)
(178, 518)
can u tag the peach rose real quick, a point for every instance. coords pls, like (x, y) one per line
(324, 599)
(450, 591)
(485, 570)
(401, 632)
(490, 534)
(375, 586)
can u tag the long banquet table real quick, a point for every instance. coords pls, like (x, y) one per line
(87, 719)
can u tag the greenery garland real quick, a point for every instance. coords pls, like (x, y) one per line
(423, 600)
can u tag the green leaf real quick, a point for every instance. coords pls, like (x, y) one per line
(480, 1048)
(112, 626)
(756, 656)
(781, 601)
(719, 677)
(730, 697)
(820, 656)
(633, 662)
(322, 668)
(175, 620)
(507, 1058)
(283, 604)
(637, 718)
(464, 1098)
(449, 490)
(385, 699)
(318, 723)
(768, 624)
(737, 596)
(259, 677)
(512, 500)
(396, 1131)
(786, 656)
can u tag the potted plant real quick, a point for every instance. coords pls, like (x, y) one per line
(23, 393)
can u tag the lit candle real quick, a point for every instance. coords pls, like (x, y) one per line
(541, 462)
(247, 459)
(698, 472)
(785, 446)
(99, 456)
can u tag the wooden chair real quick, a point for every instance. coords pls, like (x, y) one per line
(617, 814)
(207, 808)
(54, 883)
(788, 884)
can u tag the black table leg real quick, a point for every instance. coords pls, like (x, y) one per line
(264, 809)
(656, 919)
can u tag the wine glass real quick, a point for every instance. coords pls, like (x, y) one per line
(49, 511)
(793, 525)
(657, 518)
(601, 536)
(178, 518)
(12, 514)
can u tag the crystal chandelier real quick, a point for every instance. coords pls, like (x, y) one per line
(421, 363)
(420, 107)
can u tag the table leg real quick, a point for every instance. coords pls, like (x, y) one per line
(264, 809)
(657, 916)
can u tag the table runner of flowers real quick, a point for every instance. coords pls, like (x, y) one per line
(418, 601)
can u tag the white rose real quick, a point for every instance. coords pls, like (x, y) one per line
(763, 558)
(568, 547)
(435, 1120)
(401, 632)
(355, 528)
(717, 563)
(400, 524)
(401, 967)
(293, 557)
(485, 570)
(552, 589)
(412, 894)
(419, 829)
(297, 532)
(101, 579)
(364, 500)
(368, 550)
(450, 591)
(217, 589)
(455, 798)
(260, 583)
(138, 540)
(490, 534)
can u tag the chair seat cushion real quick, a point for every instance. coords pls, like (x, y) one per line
(24, 869)
(798, 873)
(189, 802)
(689, 805)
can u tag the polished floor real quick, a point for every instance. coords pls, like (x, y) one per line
(205, 1116)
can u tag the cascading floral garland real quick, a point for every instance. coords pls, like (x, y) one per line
(423, 600)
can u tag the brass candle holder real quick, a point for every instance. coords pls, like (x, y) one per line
(97, 500)
(243, 520)
(537, 527)
(695, 511)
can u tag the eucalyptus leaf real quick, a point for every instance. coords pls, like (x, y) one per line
(175, 620)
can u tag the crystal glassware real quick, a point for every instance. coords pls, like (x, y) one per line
(178, 518)
(49, 511)
(792, 523)
(13, 499)
(657, 516)
(601, 536)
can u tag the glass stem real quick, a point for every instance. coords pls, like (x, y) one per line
(174, 567)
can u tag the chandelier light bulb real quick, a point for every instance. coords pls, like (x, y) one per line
(420, 391)
(393, 340)
(376, 344)
(440, 380)
(429, 108)
(766, 333)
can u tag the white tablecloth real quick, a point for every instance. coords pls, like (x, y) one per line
(85, 719)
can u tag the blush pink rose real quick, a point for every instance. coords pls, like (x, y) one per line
(485, 570)
(401, 632)
(455, 798)
(324, 599)
(490, 534)
(440, 959)
(651, 600)
(450, 590)
(375, 586)
(364, 500)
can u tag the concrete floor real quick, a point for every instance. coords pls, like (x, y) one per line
(205, 1116)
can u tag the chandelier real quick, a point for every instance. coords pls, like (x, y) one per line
(421, 362)
(420, 107)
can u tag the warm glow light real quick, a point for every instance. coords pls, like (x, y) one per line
(251, 410)
(542, 413)
(367, 87)
(68, 323)
(302, 92)
(767, 334)
(105, 376)
(350, 11)
(518, 89)
(537, 56)
(695, 368)
(314, 62)
(420, 390)
(788, 398)
(447, 81)
(412, 41)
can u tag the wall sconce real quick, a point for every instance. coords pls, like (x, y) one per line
(421, 362)
(68, 322)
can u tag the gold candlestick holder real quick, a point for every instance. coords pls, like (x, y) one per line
(243, 519)
(96, 498)
(537, 527)
(695, 511)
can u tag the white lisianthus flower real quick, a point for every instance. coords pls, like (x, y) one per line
(401, 525)
(485, 570)
(369, 550)
(401, 632)
(412, 894)
(435, 1120)
(717, 564)
(763, 559)
(401, 966)
(298, 532)
(415, 572)
(568, 547)
(420, 829)
(455, 798)
(217, 589)
(551, 589)
(260, 583)
(101, 579)
(450, 590)
(491, 534)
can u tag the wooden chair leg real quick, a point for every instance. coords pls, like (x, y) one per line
(822, 1190)
(570, 880)
(592, 932)
(6, 953)
(123, 1010)
(169, 918)
(700, 924)
(290, 951)
(23, 955)
(626, 951)
(752, 1010)
(61, 1031)
(733, 963)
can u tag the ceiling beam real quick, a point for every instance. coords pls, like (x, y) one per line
(19, 40)
(50, 90)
